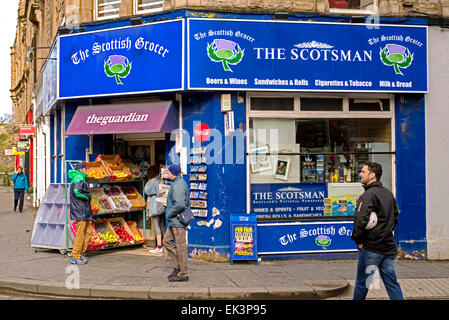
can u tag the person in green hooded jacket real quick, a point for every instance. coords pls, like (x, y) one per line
(81, 212)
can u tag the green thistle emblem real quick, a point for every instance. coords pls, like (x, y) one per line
(396, 56)
(225, 51)
(323, 241)
(117, 67)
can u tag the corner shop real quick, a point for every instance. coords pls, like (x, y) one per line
(195, 87)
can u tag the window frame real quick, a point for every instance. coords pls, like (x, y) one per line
(96, 11)
(298, 114)
(136, 10)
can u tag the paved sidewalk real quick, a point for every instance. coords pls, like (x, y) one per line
(133, 273)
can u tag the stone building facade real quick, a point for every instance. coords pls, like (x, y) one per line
(37, 24)
(38, 21)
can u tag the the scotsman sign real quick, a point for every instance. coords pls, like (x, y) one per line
(306, 56)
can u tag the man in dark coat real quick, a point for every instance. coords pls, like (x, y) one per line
(377, 248)
(81, 212)
(175, 236)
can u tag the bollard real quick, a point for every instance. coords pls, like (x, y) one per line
(5, 179)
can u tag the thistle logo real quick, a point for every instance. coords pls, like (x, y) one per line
(225, 51)
(397, 56)
(323, 241)
(118, 67)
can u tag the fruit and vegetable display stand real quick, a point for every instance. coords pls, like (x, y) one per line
(111, 199)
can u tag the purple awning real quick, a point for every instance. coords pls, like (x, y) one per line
(160, 116)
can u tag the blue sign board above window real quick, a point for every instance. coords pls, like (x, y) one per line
(306, 56)
(136, 59)
(243, 55)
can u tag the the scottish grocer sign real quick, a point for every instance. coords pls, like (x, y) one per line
(303, 237)
(306, 56)
(137, 59)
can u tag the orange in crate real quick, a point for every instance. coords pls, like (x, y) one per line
(96, 172)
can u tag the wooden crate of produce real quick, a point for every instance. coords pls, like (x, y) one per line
(122, 230)
(95, 242)
(112, 160)
(118, 198)
(106, 233)
(115, 166)
(134, 168)
(138, 237)
(137, 201)
(97, 172)
(101, 200)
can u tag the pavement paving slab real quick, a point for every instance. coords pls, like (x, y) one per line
(133, 273)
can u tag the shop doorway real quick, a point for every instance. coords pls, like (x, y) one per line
(144, 150)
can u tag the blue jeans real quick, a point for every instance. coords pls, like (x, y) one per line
(367, 264)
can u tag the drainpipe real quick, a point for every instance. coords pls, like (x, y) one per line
(89, 151)
(34, 154)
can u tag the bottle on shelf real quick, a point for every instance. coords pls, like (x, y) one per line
(341, 174)
(348, 177)
(336, 176)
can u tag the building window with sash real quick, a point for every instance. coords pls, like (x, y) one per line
(148, 6)
(107, 9)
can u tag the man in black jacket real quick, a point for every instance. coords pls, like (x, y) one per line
(377, 248)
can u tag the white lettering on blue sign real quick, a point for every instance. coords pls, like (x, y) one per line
(314, 54)
(119, 44)
(141, 43)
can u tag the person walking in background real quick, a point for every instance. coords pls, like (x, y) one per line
(376, 245)
(81, 212)
(177, 201)
(155, 210)
(20, 186)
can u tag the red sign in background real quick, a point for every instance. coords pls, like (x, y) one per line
(202, 132)
(27, 131)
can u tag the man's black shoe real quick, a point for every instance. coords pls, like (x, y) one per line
(173, 274)
(177, 279)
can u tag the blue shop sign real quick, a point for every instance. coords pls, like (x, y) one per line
(305, 237)
(285, 200)
(306, 56)
(136, 59)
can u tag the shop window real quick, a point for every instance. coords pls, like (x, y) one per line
(338, 148)
(272, 104)
(107, 9)
(310, 167)
(148, 6)
(316, 104)
(369, 105)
